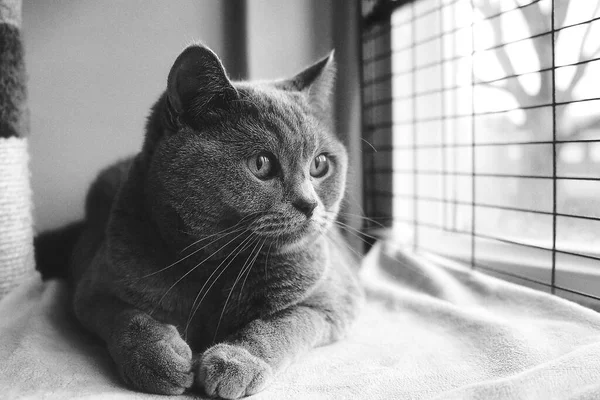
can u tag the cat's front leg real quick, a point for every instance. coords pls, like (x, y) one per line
(246, 363)
(150, 356)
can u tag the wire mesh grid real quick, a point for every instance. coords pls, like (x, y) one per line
(482, 127)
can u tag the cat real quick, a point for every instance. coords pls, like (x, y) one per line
(211, 259)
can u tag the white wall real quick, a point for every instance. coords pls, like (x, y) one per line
(284, 36)
(95, 68)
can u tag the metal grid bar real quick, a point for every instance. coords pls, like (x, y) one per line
(386, 130)
(484, 175)
(554, 154)
(414, 117)
(390, 53)
(444, 89)
(444, 131)
(484, 236)
(483, 144)
(383, 193)
(368, 35)
(473, 154)
(389, 124)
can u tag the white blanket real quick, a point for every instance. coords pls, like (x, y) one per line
(426, 332)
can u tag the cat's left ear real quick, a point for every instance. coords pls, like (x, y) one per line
(317, 83)
(198, 84)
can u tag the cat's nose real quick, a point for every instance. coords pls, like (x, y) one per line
(305, 206)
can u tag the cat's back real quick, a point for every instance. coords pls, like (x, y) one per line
(98, 204)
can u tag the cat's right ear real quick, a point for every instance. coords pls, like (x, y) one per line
(197, 84)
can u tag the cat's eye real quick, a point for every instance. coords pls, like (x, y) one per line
(319, 166)
(262, 165)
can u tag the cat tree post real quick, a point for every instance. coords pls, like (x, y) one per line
(16, 232)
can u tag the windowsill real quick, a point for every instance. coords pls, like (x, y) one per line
(577, 277)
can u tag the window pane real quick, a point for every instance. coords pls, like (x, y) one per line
(529, 125)
(578, 120)
(484, 141)
(577, 235)
(430, 186)
(509, 258)
(429, 133)
(450, 243)
(515, 226)
(577, 197)
(516, 159)
(524, 193)
(578, 273)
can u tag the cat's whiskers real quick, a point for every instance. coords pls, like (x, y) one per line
(347, 228)
(231, 256)
(350, 230)
(245, 244)
(193, 269)
(361, 217)
(249, 269)
(351, 199)
(341, 243)
(222, 236)
(267, 259)
(185, 200)
(223, 232)
(356, 232)
(240, 273)
(371, 219)
(242, 220)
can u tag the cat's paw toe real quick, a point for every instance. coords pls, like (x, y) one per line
(231, 372)
(162, 364)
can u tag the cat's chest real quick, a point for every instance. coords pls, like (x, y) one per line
(216, 304)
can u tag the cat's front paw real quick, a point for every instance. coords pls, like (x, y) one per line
(154, 359)
(231, 372)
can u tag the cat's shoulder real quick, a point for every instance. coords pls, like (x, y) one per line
(106, 185)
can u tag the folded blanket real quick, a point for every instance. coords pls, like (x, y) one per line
(428, 331)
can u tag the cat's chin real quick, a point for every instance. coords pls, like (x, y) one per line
(294, 242)
(294, 245)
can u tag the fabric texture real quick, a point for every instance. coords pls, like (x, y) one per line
(428, 331)
(16, 236)
(13, 94)
(16, 232)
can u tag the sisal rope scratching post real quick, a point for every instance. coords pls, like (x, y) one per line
(16, 231)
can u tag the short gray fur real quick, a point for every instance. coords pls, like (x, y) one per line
(195, 319)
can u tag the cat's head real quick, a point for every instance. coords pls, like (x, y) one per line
(257, 158)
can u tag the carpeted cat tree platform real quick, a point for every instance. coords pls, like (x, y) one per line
(16, 243)
(430, 329)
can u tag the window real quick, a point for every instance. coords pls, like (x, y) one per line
(482, 119)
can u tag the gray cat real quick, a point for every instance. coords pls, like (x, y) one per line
(212, 257)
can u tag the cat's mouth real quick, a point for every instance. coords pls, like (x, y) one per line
(281, 228)
(285, 232)
(281, 231)
(290, 236)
